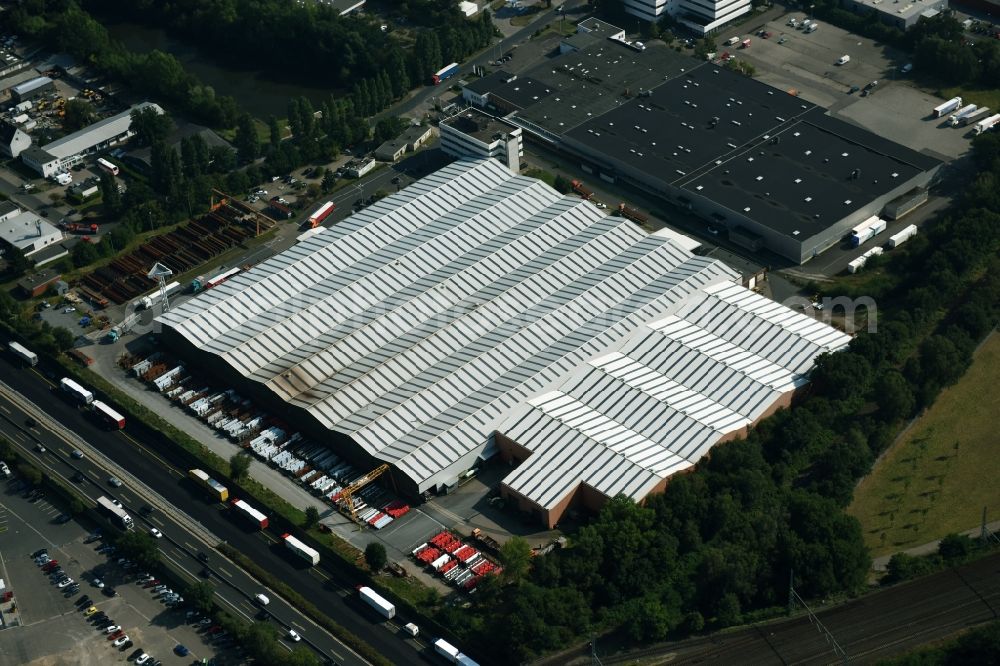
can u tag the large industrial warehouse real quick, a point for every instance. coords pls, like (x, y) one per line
(478, 313)
(771, 169)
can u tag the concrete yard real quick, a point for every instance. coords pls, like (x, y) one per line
(806, 63)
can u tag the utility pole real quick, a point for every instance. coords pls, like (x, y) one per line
(793, 597)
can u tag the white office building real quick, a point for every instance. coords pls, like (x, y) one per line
(701, 16)
(474, 134)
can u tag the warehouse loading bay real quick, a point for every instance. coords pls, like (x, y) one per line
(470, 506)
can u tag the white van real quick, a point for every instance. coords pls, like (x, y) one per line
(4, 469)
(411, 629)
(732, 40)
(844, 59)
(261, 599)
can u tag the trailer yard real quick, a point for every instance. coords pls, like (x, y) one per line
(311, 464)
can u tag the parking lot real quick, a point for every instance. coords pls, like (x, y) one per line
(48, 626)
(791, 60)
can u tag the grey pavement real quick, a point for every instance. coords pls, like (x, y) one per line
(879, 564)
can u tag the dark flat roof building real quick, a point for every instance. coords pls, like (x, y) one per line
(769, 167)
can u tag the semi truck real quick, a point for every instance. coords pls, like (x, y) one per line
(249, 514)
(23, 353)
(945, 108)
(378, 602)
(867, 230)
(987, 123)
(75, 391)
(902, 236)
(308, 554)
(486, 542)
(115, 513)
(633, 214)
(216, 489)
(110, 417)
(452, 653)
(975, 116)
(445, 73)
(321, 214)
(956, 117)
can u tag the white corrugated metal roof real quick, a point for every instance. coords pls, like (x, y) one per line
(96, 134)
(419, 325)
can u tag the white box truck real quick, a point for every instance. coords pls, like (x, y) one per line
(946, 107)
(23, 353)
(377, 601)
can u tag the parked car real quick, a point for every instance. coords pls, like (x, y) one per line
(120, 642)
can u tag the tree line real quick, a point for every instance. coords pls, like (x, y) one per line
(717, 547)
(311, 42)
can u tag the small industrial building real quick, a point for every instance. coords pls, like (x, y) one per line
(410, 140)
(902, 14)
(771, 170)
(28, 232)
(589, 32)
(13, 141)
(8, 209)
(32, 88)
(358, 168)
(473, 134)
(469, 9)
(85, 190)
(63, 153)
(477, 313)
(476, 91)
(36, 284)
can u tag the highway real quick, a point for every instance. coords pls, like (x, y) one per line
(188, 514)
(876, 626)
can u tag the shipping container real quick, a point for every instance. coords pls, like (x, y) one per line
(901, 237)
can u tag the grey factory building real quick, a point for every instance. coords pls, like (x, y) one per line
(771, 169)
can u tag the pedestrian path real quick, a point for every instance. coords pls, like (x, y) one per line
(880, 564)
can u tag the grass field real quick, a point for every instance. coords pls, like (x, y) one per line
(943, 471)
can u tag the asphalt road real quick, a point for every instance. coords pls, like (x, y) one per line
(874, 627)
(180, 544)
(334, 596)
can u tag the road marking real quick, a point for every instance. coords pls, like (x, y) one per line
(188, 544)
(4, 409)
(224, 572)
(334, 653)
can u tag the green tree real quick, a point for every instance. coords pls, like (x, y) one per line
(76, 506)
(247, 142)
(110, 196)
(955, 547)
(63, 337)
(312, 517)
(200, 595)
(30, 474)
(375, 556)
(77, 114)
(275, 132)
(328, 182)
(140, 547)
(515, 555)
(17, 263)
(239, 466)
(150, 126)
(894, 396)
